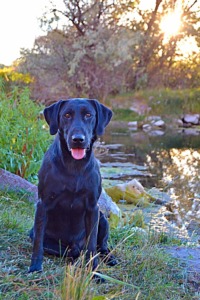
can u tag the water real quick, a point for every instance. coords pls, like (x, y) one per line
(171, 162)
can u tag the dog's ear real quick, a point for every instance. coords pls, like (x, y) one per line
(103, 115)
(51, 114)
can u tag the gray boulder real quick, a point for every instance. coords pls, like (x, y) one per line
(191, 118)
(159, 123)
(9, 181)
(153, 118)
(107, 206)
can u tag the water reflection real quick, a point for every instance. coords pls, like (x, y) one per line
(174, 159)
(181, 179)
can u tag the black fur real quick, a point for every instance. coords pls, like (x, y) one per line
(67, 218)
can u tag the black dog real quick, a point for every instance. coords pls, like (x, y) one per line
(67, 218)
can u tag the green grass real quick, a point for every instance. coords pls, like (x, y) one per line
(161, 102)
(144, 270)
(126, 115)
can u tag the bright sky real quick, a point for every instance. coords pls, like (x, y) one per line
(19, 26)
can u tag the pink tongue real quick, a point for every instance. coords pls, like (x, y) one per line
(78, 153)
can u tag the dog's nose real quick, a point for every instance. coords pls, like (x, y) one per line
(78, 138)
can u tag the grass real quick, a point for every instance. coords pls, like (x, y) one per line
(24, 136)
(126, 115)
(160, 101)
(144, 271)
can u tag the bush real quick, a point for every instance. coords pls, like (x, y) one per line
(23, 136)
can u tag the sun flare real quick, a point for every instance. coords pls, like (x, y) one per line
(171, 24)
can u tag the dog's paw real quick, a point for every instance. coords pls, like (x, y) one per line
(36, 266)
(97, 278)
(110, 260)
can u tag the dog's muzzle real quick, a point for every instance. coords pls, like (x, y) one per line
(78, 150)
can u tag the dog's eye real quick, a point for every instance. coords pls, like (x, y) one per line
(88, 115)
(68, 115)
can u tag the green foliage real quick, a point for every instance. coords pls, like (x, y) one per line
(23, 136)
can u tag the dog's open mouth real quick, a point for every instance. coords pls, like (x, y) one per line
(78, 153)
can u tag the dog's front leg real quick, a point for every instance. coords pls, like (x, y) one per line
(92, 221)
(38, 236)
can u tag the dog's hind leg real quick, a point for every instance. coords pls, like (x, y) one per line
(102, 241)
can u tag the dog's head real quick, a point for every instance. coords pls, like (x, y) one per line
(79, 121)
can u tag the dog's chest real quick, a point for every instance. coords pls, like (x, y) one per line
(75, 184)
(67, 204)
(68, 194)
(69, 190)
(70, 201)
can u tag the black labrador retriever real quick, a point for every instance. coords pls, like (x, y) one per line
(67, 218)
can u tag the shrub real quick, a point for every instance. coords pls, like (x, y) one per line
(23, 136)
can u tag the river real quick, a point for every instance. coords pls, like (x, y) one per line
(168, 160)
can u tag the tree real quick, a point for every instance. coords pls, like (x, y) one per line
(153, 56)
(96, 52)
(85, 58)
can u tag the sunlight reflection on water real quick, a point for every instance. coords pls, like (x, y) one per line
(173, 158)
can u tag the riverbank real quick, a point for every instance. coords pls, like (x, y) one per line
(134, 106)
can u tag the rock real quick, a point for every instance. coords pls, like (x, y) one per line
(159, 123)
(123, 171)
(153, 118)
(9, 181)
(109, 208)
(107, 205)
(133, 124)
(187, 125)
(146, 127)
(193, 119)
(194, 227)
(132, 191)
(177, 122)
(156, 133)
(191, 131)
(153, 123)
(114, 146)
(161, 198)
(123, 165)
